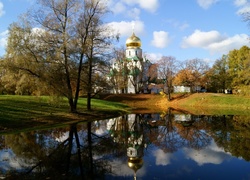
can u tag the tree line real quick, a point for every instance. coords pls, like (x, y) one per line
(231, 71)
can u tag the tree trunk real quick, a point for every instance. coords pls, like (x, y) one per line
(72, 105)
(168, 89)
(78, 82)
(78, 149)
(89, 101)
(169, 96)
(89, 83)
(90, 171)
(69, 150)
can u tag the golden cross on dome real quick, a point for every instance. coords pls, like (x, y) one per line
(133, 26)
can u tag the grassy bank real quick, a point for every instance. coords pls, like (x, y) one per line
(18, 112)
(214, 103)
(216, 100)
(198, 103)
(27, 112)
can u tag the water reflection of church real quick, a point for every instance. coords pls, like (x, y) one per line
(136, 131)
(128, 130)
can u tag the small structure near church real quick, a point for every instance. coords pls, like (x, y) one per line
(178, 89)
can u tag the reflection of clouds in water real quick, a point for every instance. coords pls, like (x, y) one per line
(110, 123)
(8, 161)
(162, 158)
(120, 168)
(63, 137)
(211, 154)
(100, 127)
(100, 131)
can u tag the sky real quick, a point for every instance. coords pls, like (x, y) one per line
(184, 29)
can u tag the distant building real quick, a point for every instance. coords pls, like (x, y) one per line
(178, 89)
(188, 89)
(156, 88)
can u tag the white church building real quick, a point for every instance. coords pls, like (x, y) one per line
(130, 75)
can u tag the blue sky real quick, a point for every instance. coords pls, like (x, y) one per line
(185, 29)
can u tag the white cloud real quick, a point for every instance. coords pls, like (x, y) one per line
(212, 154)
(234, 42)
(3, 38)
(150, 5)
(244, 10)
(201, 39)
(205, 4)
(162, 158)
(125, 27)
(244, 6)
(153, 57)
(119, 8)
(161, 39)
(134, 13)
(2, 12)
(240, 2)
(214, 41)
(124, 6)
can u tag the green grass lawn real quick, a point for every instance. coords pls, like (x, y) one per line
(219, 100)
(28, 111)
(215, 103)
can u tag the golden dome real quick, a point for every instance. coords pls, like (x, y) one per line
(133, 42)
(135, 163)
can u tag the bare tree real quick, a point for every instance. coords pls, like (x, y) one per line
(167, 68)
(98, 40)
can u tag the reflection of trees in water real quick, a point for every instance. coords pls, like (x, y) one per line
(221, 127)
(165, 135)
(233, 134)
(194, 135)
(85, 154)
(240, 137)
(69, 159)
(171, 135)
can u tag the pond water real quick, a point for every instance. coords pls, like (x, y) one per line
(168, 145)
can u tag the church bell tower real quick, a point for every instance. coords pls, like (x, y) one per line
(134, 62)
